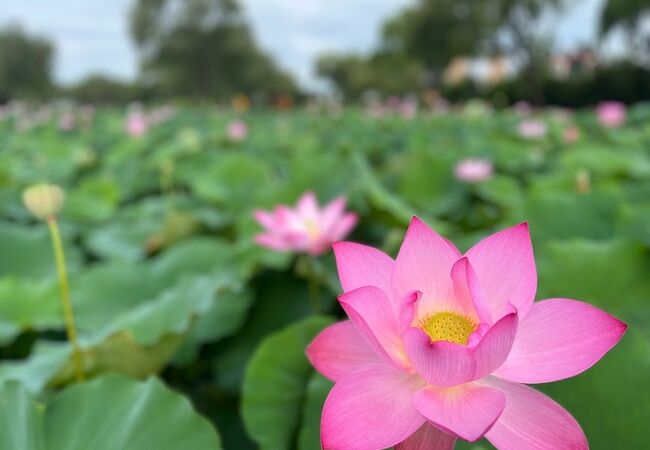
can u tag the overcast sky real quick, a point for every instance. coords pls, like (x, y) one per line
(92, 35)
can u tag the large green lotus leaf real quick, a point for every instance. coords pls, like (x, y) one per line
(45, 362)
(317, 390)
(601, 160)
(28, 304)
(127, 235)
(109, 413)
(235, 181)
(129, 324)
(197, 255)
(311, 169)
(612, 275)
(427, 179)
(225, 316)
(279, 301)
(21, 419)
(502, 190)
(121, 240)
(562, 214)
(94, 200)
(385, 201)
(635, 221)
(26, 251)
(275, 384)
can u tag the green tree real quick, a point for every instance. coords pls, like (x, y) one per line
(25, 65)
(202, 48)
(435, 31)
(100, 89)
(628, 16)
(352, 75)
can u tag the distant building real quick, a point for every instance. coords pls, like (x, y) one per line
(481, 70)
(580, 62)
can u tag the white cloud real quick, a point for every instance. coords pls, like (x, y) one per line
(295, 32)
(89, 35)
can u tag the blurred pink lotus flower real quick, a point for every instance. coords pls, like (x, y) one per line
(408, 108)
(375, 109)
(611, 114)
(87, 113)
(136, 124)
(161, 115)
(522, 108)
(532, 129)
(571, 134)
(237, 130)
(67, 122)
(307, 227)
(473, 170)
(438, 345)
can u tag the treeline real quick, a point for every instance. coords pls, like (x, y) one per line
(201, 50)
(418, 45)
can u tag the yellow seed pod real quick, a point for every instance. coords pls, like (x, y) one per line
(43, 200)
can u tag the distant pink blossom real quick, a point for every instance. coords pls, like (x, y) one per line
(67, 122)
(532, 129)
(161, 115)
(611, 114)
(473, 170)
(237, 130)
(305, 228)
(375, 109)
(522, 108)
(571, 134)
(87, 113)
(408, 108)
(137, 124)
(438, 347)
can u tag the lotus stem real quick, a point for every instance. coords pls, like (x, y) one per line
(64, 287)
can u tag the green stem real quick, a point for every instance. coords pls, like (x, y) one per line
(65, 297)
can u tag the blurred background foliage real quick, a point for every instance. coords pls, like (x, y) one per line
(205, 50)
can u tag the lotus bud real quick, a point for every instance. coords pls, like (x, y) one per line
(583, 181)
(43, 200)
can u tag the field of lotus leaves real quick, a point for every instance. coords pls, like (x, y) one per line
(193, 336)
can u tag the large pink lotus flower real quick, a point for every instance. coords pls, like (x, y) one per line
(306, 228)
(473, 170)
(611, 114)
(438, 345)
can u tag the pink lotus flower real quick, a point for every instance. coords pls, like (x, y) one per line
(473, 170)
(136, 124)
(67, 122)
(611, 114)
(438, 345)
(307, 228)
(571, 134)
(408, 108)
(237, 130)
(532, 129)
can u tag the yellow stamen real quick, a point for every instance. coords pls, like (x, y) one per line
(313, 231)
(448, 326)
